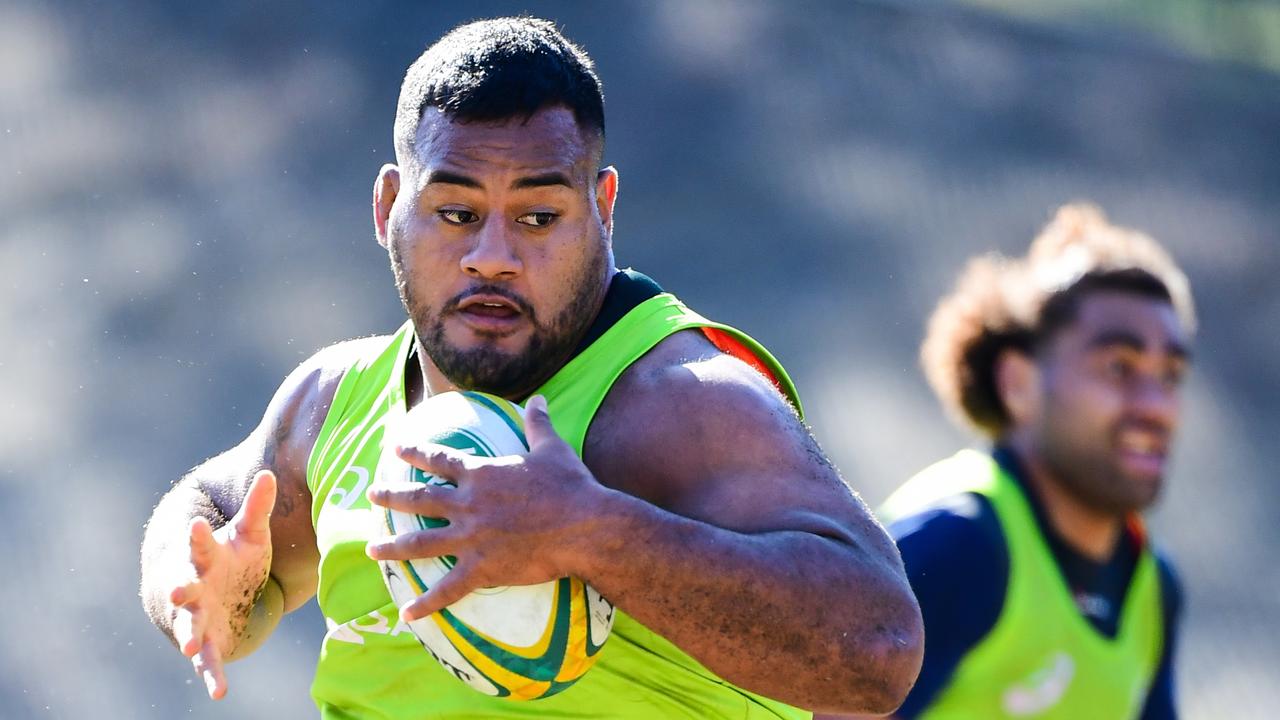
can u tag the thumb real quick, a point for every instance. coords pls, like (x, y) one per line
(253, 521)
(537, 424)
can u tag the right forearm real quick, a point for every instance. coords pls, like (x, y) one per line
(231, 548)
(221, 571)
(165, 552)
(268, 608)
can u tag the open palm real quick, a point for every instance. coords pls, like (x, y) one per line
(229, 566)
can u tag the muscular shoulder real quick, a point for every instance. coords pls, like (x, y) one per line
(955, 540)
(1171, 592)
(965, 518)
(688, 376)
(283, 438)
(685, 415)
(323, 371)
(304, 397)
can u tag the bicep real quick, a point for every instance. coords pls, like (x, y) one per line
(282, 443)
(713, 440)
(224, 480)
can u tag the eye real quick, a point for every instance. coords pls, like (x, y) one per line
(537, 219)
(457, 217)
(1120, 368)
(1174, 374)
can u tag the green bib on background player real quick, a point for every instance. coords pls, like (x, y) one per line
(1042, 659)
(371, 665)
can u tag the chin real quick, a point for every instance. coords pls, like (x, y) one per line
(1144, 492)
(467, 340)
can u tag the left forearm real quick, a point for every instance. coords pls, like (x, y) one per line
(805, 619)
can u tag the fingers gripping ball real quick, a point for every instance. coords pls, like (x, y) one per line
(519, 642)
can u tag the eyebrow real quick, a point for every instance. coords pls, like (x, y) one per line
(547, 179)
(452, 178)
(1129, 339)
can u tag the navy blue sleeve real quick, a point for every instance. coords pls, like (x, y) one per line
(1161, 704)
(959, 568)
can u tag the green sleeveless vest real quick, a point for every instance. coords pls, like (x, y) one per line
(1042, 658)
(371, 666)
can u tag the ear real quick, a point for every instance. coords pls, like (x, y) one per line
(1018, 383)
(385, 190)
(606, 195)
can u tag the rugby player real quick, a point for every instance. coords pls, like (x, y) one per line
(669, 465)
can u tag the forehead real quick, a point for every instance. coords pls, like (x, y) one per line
(549, 140)
(1149, 319)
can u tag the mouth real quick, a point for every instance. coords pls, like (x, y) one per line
(490, 314)
(1143, 451)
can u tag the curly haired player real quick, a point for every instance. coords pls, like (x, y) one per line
(1041, 593)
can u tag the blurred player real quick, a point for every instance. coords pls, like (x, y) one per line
(704, 509)
(1041, 592)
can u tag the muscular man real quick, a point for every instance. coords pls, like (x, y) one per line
(669, 466)
(1041, 592)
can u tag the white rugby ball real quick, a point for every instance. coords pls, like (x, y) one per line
(519, 642)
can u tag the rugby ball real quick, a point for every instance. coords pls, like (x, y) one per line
(517, 642)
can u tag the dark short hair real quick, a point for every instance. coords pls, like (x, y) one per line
(1060, 309)
(499, 69)
(1020, 304)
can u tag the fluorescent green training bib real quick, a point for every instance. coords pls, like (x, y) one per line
(1042, 659)
(371, 666)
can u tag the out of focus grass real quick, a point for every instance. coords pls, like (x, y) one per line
(1242, 31)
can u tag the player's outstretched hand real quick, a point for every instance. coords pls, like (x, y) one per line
(229, 566)
(515, 520)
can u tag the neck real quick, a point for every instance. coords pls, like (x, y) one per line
(432, 379)
(1089, 531)
(421, 379)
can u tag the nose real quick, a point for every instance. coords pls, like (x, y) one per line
(492, 255)
(1156, 401)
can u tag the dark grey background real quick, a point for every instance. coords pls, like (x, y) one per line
(184, 216)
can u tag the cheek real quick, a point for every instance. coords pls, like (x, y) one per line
(1103, 400)
(558, 269)
(1175, 409)
(421, 247)
(1081, 404)
(425, 266)
(400, 223)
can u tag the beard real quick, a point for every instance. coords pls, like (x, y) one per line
(490, 369)
(1093, 475)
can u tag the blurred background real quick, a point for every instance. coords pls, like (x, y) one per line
(184, 216)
